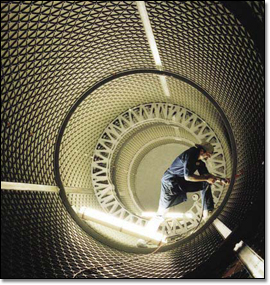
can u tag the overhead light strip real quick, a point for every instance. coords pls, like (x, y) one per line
(223, 230)
(149, 32)
(16, 186)
(152, 43)
(121, 225)
(164, 85)
(250, 258)
(167, 215)
(28, 187)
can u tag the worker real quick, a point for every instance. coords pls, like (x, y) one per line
(180, 179)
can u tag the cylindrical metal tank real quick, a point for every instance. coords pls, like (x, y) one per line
(69, 70)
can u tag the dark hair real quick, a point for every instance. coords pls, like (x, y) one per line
(200, 147)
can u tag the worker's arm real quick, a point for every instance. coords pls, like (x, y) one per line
(204, 171)
(190, 168)
(201, 178)
(211, 179)
(221, 180)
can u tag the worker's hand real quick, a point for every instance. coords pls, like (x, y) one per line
(224, 181)
(211, 180)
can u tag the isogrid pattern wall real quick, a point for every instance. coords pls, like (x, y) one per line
(52, 52)
(98, 110)
(41, 240)
(206, 43)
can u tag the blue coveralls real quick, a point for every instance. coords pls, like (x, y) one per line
(174, 186)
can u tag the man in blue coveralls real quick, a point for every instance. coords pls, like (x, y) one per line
(180, 179)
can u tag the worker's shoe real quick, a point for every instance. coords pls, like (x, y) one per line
(205, 215)
(141, 243)
(160, 217)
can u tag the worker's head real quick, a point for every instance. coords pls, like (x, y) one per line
(206, 150)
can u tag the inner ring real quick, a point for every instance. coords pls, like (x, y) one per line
(150, 126)
(75, 109)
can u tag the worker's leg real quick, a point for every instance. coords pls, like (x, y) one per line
(153, 225)
(162, 211)
(205, 187)
(155, 222)
(207, 197)
(189, 186)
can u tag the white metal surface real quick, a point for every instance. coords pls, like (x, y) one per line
(136, 157)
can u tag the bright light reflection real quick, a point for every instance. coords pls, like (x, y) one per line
(164, 85)
(152, 43)
(168, 215)
(149, 32)
(119, 224)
